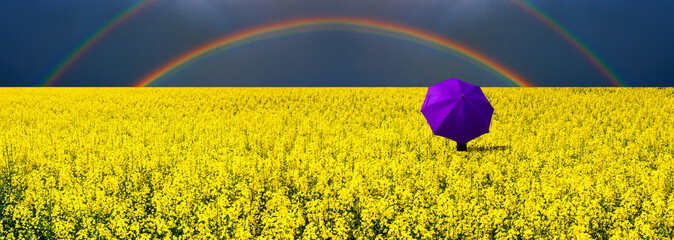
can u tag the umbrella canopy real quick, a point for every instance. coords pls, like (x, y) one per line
(457, 110)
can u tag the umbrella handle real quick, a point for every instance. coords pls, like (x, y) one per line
(461, 147)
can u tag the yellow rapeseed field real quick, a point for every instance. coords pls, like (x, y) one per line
(332, 163)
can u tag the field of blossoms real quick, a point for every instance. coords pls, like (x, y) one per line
(332, 163)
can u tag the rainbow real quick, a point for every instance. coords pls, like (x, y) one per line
(138, 6)
(96, 36)
(572, 39)
(325, 23)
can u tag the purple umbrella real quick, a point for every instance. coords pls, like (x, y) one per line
(457, 110)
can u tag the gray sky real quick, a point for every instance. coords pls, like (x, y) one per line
(634, 38)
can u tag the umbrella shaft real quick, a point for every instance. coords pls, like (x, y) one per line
(461, 147)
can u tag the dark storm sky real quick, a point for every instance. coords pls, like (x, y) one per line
(634, 38)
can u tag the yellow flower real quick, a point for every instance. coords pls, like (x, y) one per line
(316, 163)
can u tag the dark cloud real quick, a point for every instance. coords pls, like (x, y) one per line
(631, 37)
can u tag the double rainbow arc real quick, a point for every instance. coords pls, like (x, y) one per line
(322, 23)
(94, 38)
(445, 44)
(572, 39)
